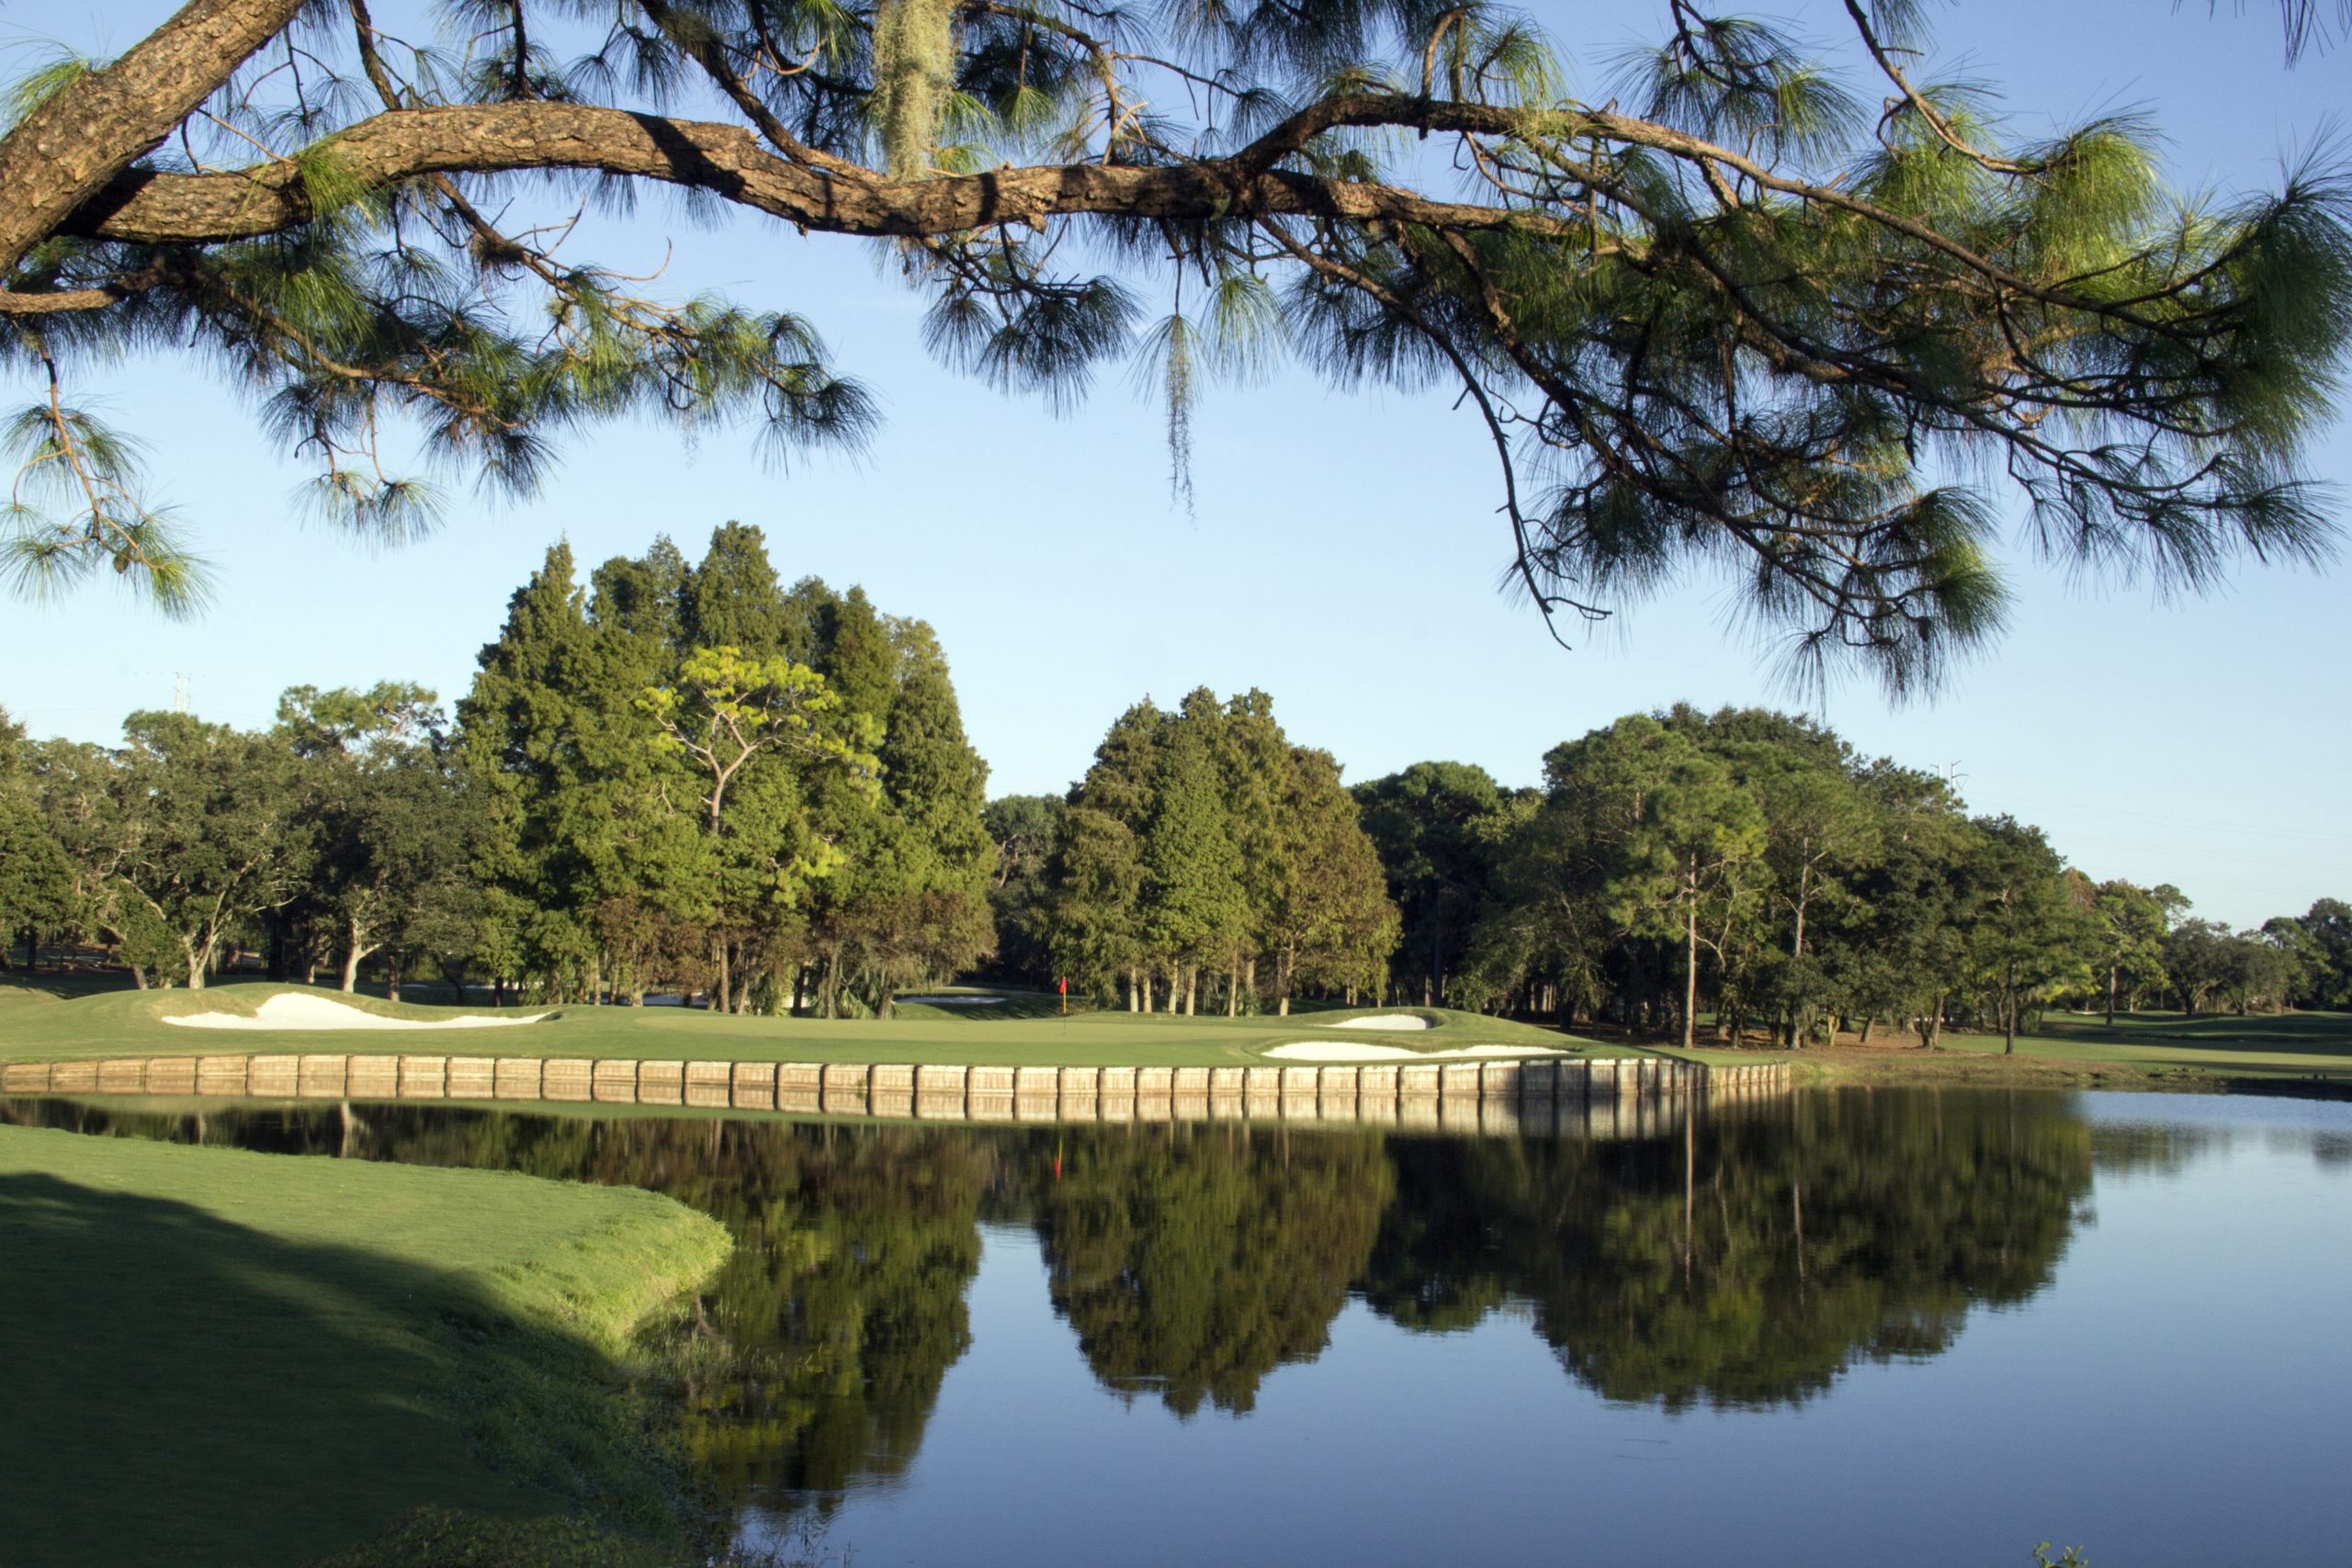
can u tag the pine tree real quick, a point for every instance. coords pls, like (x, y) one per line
(36, 878)
(1329, 921)
(1098, 872)
(732, 598)
(1193, 905)
(527, 735)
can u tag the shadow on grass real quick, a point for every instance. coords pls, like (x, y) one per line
(21, 985)
(1016, 1005)
(185, 1390)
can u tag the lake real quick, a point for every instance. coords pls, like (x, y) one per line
(1915, 1327)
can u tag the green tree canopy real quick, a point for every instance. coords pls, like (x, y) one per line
(35, 879)
(1434, 827)
(391, 824)
(178, 839)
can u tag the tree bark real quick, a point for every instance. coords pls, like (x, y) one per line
(69, 149)
(1690, 964)
(2009, 1016)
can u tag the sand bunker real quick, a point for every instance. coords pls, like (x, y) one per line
(1332, 1051)
(1382, 1020)
(953, 1002)
(289, 1011)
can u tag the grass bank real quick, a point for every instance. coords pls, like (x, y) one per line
(2289, 1053)
(236, 1359)
(131, 1023)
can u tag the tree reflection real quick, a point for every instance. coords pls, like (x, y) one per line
(1753, 1260)
(1747, 1262)
(1193, 1261)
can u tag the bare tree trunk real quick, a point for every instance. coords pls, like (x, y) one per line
(1690, 973)
(1192, 989)
(1233, 987)
(354, 949)
(719, 990)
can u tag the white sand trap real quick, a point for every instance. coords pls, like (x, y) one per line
(289, 1011)
(953, 1002)
(1382, 1020)
(1333, 1051)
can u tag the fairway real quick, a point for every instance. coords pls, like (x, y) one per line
(222, 1357)
(1036, 1035)
(2295, 1044)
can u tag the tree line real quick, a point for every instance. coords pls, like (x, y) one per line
(688, 777)
(680, 776)
(1752, 864)
(1745, 865)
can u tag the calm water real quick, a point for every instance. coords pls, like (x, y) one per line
(1910, 1327)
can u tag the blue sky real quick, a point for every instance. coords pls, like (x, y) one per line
(1343, 554)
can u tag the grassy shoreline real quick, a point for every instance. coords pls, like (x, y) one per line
(2298, 1053)
(131, 1023)
(2306, 1054)
(193, 1328)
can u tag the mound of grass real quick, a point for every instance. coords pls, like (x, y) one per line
(226, 1358)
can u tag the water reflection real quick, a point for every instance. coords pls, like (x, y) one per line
(1196, 1264)
(1744, 1261)
(1751, 1264)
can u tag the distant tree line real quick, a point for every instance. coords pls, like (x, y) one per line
(687, 778)
(683, 776)
(1750, 865)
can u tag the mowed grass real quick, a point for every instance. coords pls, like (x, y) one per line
(216, 1356)
(1035, 1032)
(2296, 1044)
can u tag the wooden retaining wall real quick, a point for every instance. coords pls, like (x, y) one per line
(1624, 1096)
